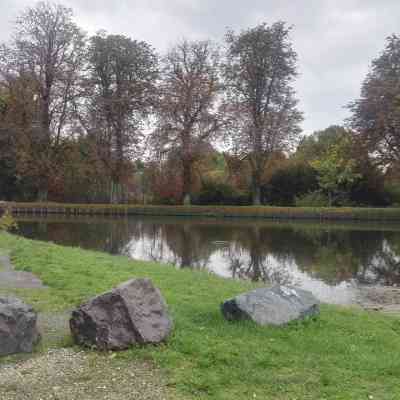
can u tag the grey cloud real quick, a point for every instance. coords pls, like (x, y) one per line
(335, 40)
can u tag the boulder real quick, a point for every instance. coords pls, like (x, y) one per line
(18, 326)
(271, 306)
(132, 313)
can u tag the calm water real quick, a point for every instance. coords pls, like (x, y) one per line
(331, 260)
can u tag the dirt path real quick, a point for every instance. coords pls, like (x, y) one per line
(12, 279)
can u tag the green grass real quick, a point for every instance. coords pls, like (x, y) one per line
(343, 354)
(297, 213)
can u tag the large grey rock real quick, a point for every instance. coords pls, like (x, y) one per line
(132, 313)
(271, 306)
(18, 328)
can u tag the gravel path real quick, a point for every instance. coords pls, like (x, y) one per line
(64, 374)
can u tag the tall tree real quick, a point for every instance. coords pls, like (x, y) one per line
(18, 140)
(187, 114)
(315, 146)
(121, 89)
(48, 47)
(259, 72)
(376, 114)
(336, 170)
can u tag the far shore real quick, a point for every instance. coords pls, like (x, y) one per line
(220, 211)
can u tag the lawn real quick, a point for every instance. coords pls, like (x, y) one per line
(343, 354)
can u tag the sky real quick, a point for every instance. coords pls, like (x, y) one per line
(336, 40)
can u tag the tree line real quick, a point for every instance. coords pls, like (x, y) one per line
(107, 119)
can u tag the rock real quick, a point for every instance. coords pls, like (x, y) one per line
(132, 313)
(271, 306)
(18, 328)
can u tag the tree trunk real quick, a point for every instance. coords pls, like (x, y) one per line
(42, 194)
(187, 248)
(187, 183)
(43, 189)
(116, 192)
(256, 189)
(330, 200)
(257, 265)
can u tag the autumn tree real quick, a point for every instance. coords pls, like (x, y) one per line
(120, 93)
(19, 138)
(376, 114)
(187, 117)
(259, 73)
(47, 47)
(7, 153)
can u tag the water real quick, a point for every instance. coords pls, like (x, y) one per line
(331, 260)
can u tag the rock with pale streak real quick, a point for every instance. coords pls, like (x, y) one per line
(278, 305)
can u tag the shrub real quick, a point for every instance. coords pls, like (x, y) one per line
(214, 193)
(294, 180)
(393, 193)
(313, 199)
(7, 222)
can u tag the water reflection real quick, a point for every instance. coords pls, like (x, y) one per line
(328, 259)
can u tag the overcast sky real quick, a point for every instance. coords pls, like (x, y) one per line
(335, 39)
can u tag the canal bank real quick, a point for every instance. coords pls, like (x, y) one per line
(265, 212)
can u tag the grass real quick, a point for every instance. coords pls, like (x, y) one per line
(343, 354)
(297, 213)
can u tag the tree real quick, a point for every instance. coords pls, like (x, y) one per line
(334, 150)
(259, 72)
(187, 116)
(314, 146)
(18, 139)
(376, 114)
(48, 49)
(120, 93)
(336, 172)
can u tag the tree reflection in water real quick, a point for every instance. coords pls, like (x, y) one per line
(285, 253)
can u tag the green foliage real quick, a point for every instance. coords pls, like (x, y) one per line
(343, 354)
(314, 199)
(314, 146)
(347, 173)
(7, 222)
(336, 170)
(393, 192)
(216, 193)
(287, 183)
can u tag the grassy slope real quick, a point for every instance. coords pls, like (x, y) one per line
(344, 354)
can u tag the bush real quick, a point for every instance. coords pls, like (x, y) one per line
(294, 180)
(313, 199)
(369, 190)
(214, 193)
(393, 194)
(7, 222)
